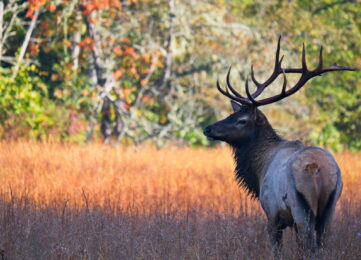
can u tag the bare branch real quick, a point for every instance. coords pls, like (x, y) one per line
(168, 56)
(8, 26)
(202, 67)
(8, 59)
(1, 27)
(25, 43)
(326, 6)
(96, 51)
(147, 77)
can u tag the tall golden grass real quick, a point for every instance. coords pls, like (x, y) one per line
(101, 202)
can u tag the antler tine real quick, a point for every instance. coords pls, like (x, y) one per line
(220, 89)
(274, 98)
(304, 64)
(241, 100)
(320, 63)
(254, 79)
(254, 102)
(276, 71)
(284, 83)
(278, 51)
(305, 76)
(280, 63)
(229, 84)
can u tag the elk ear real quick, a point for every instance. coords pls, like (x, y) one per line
(236, 107)
(260, 118)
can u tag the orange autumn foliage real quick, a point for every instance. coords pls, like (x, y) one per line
(117, 50)
(92, 5)
(51, 7)
(129, 51)
(33, 6)
(118, 73)
(87, 42)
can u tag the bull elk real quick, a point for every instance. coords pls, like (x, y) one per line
(298, 185)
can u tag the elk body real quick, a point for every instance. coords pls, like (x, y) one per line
(298, 185)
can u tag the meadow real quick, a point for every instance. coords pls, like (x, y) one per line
(67, 201)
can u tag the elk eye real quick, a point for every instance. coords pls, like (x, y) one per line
(242, 122)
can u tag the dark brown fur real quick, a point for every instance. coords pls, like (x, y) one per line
(251, 157)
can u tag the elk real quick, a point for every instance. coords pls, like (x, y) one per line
(297, 185)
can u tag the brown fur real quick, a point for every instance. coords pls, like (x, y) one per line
(297, 185)
(315, 178)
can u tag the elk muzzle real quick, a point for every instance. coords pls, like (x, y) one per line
(210, 132)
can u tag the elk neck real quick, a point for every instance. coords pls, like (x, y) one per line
(252, 158)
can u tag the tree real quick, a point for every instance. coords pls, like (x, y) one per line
(333, 99)
(137, 70)
(141, 60)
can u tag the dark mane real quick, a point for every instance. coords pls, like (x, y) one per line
(250, 158)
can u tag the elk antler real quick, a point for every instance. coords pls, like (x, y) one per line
(305, 76)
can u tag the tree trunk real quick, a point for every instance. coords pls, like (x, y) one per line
(105, 126)
(168, 56)
(76, 40)
(98, 63)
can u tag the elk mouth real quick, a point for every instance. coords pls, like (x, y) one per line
(211, 138)
(209, 134)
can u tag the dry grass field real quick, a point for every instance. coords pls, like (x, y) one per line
(60, 201)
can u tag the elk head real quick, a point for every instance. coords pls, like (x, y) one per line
(239, 127)
(247, 119)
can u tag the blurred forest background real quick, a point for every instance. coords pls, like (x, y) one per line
(134, 71)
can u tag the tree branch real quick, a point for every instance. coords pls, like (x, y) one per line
(96, 50)
(326, 6)
(7, 26)
(203, 67)
(25, 43)
(1, 28)
(138, 100)
(168, 56)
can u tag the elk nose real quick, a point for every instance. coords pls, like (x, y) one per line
(207, 130)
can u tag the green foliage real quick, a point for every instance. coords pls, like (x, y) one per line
(59, 96)
(335, 97)
(195, 137)
(22, 104)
